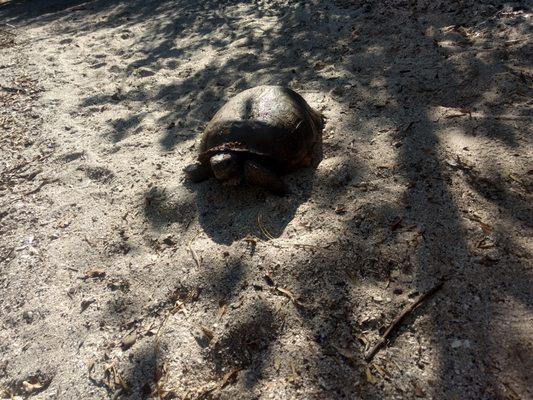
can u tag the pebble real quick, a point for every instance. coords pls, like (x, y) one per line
(28, 316)
(129, 341)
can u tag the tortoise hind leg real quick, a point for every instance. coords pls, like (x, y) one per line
(259, 175)
(198, 172)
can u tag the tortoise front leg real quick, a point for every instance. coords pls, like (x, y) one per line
(259, 175)
(198, 172)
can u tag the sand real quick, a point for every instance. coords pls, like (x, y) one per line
(118, 279)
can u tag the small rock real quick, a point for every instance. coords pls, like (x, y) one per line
(28, 316)
(129, 341)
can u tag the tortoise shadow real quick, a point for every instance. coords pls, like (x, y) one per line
(230, 213)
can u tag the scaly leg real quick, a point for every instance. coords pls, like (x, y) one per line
(257, 174)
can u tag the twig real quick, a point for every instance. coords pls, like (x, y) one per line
(406, 311)
(39, 187)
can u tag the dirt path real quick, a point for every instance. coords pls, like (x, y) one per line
(119, 280)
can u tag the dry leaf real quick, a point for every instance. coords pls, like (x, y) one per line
(487, 229)
(95, 273)
(369, 377)
(32, 385)
(485, 243)
(287, 293)
(364, 342)
(208, 333)
(380, 370)
(90, 366)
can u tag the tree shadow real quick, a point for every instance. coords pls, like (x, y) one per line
(431, 203)
(400, 75)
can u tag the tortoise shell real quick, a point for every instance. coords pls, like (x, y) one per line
(272, 123)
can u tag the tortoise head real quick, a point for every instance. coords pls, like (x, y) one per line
(227, 167)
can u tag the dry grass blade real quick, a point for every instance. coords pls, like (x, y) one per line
(195, 256)
(291, 296)
(228, 378)
(262, 227)
(221, 311)
(207, 390)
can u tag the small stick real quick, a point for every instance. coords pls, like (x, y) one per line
(406, 311)
(195, 256)
(39, 187)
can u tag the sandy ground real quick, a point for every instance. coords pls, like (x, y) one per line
(120, 280)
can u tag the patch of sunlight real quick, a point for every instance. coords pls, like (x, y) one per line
(457, 139)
